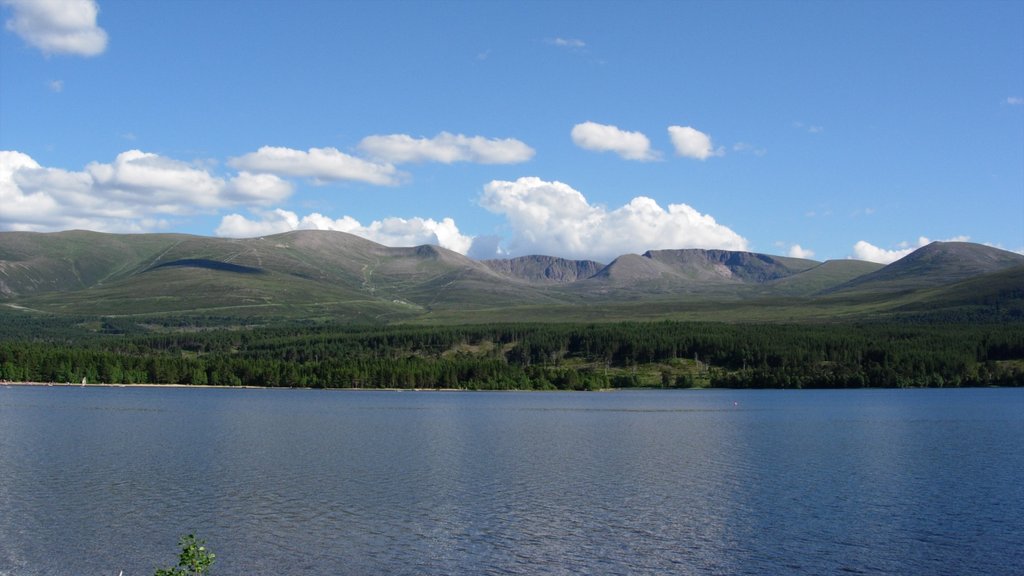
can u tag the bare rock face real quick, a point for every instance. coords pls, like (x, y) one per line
(703, 267)
(546, 269)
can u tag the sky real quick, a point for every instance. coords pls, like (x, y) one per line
(587, 130)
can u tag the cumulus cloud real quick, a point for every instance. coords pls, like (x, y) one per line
(445, 148)
(138, 177)
(318, 164)
(247, 188)
(798, 251)
(389, 231)
(553, 218)
(129, 194)
(607, 138)
(863, 250)
(692, 143)
(58, 26)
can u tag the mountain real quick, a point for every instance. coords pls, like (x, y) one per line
(296, 273)
(337, 276)
(1002, 290)
(697, 266)
(545, 269)
(32, 262)
(823, 276)
(937, 264)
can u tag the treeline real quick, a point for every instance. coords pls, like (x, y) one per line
(528, 356)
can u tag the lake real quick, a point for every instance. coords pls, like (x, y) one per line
(94, 481)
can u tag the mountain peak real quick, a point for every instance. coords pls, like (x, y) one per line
(936, 264)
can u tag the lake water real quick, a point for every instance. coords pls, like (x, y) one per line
(94, 481)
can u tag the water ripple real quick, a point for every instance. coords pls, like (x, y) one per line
(627, 483)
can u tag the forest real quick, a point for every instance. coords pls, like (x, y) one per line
(512, 356)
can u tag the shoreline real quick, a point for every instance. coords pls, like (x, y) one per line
(226, 387)
(7, 384)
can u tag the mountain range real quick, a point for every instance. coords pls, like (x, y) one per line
(327, 275)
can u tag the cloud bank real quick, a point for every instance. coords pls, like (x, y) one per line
(126, 195)
(445, 148)
(553, 218)
(58, 26)
(607, 138)
(389, 231)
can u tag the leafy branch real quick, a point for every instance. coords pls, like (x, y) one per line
(194, 560)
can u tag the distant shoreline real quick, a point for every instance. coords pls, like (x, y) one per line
(227, 387)
(110, 385)
(345, 389)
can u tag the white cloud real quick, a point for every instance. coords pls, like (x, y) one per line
(568, 42)
(19, 207)
(693, 143)
(863, 250)
(238, 226)
(128, 194)
(58, 26)
(809, 128)
(797, 251)
(445, 148)
(319, 164)
(389, 231)
(485, 247)
(247, 188)
(56, 86)
(607, 138)
(553, 218)
(1015, 100)
(416, 231)
(746, 147)
(138, 177)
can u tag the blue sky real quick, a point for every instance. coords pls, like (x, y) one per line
(576, 129)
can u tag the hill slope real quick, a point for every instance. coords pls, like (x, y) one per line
(823, 276)
(937, 264)
(338, 276)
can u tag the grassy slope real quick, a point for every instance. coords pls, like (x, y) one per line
(64, 261)
(306, 273)
(823, 276)
(935, 265)
(339, 277)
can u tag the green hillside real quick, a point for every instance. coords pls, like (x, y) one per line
(338, 277)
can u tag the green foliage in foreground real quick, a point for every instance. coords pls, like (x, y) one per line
(516, 356)
(194, 560)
